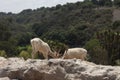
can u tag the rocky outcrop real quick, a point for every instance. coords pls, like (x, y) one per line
(55, 69)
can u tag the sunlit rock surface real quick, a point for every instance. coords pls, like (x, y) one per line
(55, 69)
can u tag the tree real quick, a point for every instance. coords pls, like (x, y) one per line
(4, 31)
(110, 40)
(5, 40)
(97, 54)
(57, 46)
(95, 2)
(108, 3)
(117, 3)
(103, 2)
(116, 25)
(39, 28)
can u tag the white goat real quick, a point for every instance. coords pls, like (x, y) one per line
(40, 46)
(78, 53)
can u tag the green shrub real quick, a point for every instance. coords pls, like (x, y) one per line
(29, 49)
(37, 55)
(110, 40)
(21, 48)
(96, 53)
(3, 53)
(24, 54)
(118, 62)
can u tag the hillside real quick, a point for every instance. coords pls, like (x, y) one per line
(71, 23)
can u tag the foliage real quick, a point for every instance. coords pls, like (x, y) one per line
(24, 54)
(117, 3)
(116, 25)
(96, 53)
(29, 49)
(3, 53)
(24, 39)
(117, 62)
(92, 43)
(4, 30)
(105, 49)
(21, 48)
(110, 40)
(102, 2)
(8, 47)
(57, 46)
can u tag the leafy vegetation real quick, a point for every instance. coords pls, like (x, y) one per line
(110, 40)
(24, 54)
(3, 53)
(81, 24)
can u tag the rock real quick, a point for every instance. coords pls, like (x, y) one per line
(55, 69)
(4, 78)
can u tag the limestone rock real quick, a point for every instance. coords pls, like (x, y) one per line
(55, 69)
(4, 78)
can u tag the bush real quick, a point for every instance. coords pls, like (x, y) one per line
(29, 49)
(37, 55)
(3, 53)
(21, 48)
(96, 53)
(57, 46)
(24, 54)
(116, 25)
(117, 62)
